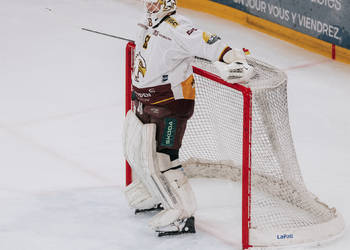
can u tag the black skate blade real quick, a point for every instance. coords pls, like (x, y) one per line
(159, 207)
(170, 233)
(188, 228)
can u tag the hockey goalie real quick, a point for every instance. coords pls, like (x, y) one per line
(164, 92)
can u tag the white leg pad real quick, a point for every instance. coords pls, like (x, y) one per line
(177, 193)
(135, 137)
(132, 142)
(171, 187)
(138, 195)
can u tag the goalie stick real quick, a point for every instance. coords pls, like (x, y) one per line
(109, 35)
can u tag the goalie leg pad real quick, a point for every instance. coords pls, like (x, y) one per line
(132, 138)
(139, 197)
(164, 179)
(176, 192)
(135, 137)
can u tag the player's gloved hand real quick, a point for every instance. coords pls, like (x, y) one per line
(234, 68)
(236, 72)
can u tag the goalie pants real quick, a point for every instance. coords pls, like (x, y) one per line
(170, 119)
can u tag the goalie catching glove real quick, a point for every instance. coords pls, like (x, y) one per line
(234, 68)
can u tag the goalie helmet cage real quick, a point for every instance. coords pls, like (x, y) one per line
(242, 133)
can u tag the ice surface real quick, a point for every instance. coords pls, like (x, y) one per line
(61, 112)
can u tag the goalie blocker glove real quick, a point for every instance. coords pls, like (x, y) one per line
(234, 68)
(236, 72)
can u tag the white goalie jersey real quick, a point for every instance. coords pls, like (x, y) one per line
(165, 52)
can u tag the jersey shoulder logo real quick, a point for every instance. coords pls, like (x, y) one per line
(172, 21)
(210, 38)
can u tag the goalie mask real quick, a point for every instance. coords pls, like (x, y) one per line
(157, 9)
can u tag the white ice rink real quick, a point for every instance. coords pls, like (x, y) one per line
(61, 113)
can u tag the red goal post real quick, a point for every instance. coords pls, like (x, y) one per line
(246, 149)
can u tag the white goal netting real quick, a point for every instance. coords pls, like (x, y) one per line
(282, 210)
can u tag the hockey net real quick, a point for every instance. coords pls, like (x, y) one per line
(242, 133)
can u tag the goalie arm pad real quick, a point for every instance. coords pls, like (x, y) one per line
(193, 41)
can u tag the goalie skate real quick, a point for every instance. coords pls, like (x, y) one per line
(179, 227)
(157, 208)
